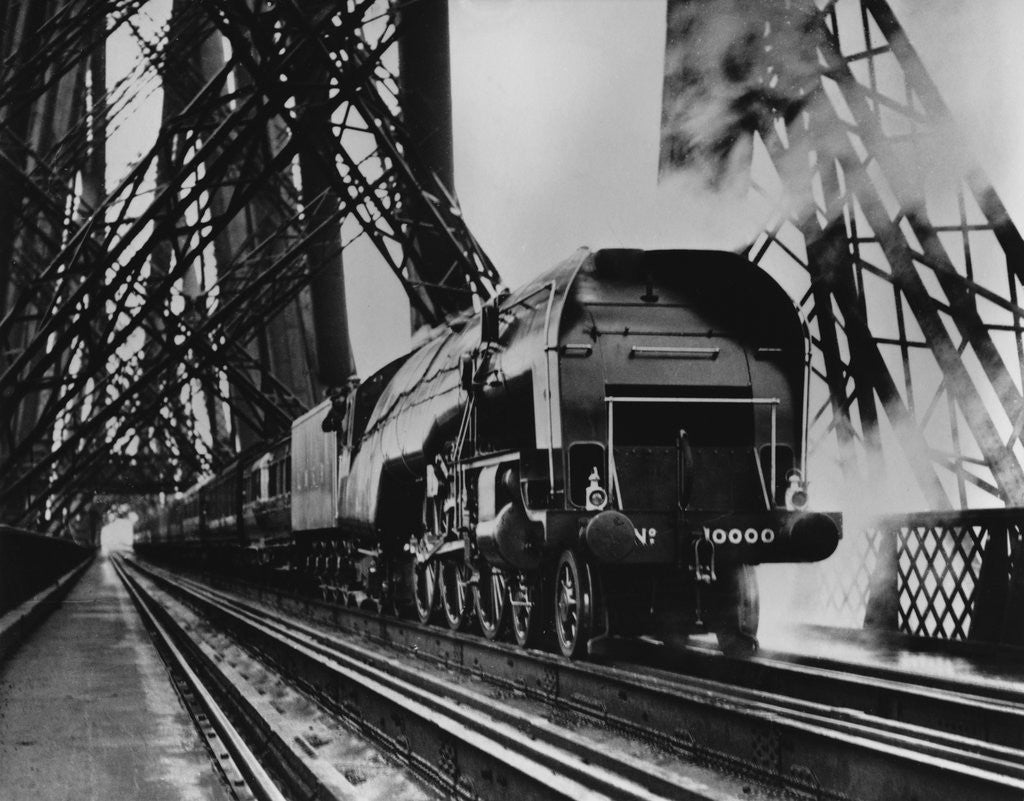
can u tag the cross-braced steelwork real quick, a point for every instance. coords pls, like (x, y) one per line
(152, 331)
(909, 272)
(901, 254)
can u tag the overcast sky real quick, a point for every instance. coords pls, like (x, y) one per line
(557, 107)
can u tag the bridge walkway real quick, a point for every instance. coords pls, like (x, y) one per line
(88, 712)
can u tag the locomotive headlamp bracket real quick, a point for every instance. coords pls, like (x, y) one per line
(796, 491)
(596, 495)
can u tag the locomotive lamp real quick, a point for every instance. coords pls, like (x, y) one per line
(597, 497)
(796, 492)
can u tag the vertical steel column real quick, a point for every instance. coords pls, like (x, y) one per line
(424, 73)
(322, 206)
(883, 603)
(1013, 617)
(992, 590)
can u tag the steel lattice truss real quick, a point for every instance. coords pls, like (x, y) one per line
(186, 287)
(904, 260)
(913, 276)
(151, 329)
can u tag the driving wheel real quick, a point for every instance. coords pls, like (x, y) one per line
(524, 596)
(426, 590)
(453, 587)
(574, 604)
(490, 595)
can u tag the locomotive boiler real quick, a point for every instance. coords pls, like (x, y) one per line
(609, 450)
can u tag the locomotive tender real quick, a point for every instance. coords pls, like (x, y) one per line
(607, 450)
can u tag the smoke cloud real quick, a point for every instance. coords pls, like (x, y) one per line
(731, 68)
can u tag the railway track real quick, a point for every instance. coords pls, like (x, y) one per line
(819, 750)
(267, 738)
(992, 714)
(238, 764)
(464, 744)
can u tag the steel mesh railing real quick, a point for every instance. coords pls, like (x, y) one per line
(938, 569)
(949, 576)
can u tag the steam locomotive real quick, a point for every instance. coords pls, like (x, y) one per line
(608, 450)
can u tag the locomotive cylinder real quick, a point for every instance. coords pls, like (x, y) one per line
(510, 539)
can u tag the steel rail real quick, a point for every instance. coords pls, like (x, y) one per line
(822, 748)
(918, 740)
(256, 778)
(294, 761)
(992, 714)
(459, 739)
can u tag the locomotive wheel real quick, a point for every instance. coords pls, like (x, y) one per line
(525, 594)
(453, 583)
(426, 576)
(739, 611)
(574, 604)
(490, 595)
(426, 590)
